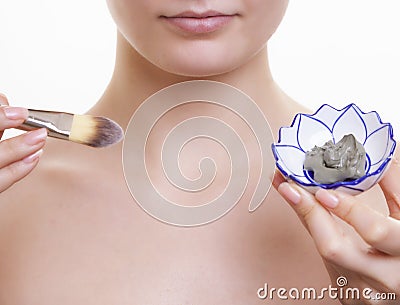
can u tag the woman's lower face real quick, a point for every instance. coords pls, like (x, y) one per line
(197, 38)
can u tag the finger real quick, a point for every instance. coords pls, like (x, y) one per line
(17, 148)
(334, 247)
(11, 117)
(379, 231)
(391, 188)
(18, 170)
(278, 179)
(329, 239)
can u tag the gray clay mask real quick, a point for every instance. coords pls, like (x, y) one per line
(337, 162)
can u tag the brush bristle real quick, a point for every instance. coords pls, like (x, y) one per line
(95, 131)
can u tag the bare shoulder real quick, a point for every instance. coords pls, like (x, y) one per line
(51, 174)
(66, 174)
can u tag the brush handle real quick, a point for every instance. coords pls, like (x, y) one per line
(58, 124)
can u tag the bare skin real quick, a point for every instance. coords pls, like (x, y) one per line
(71, 233)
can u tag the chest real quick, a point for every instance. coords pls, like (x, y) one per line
(111, 252)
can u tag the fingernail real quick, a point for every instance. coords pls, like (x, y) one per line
(289, 193)
(327, 198)
(33, 157)
(35, 137)
(15, 113)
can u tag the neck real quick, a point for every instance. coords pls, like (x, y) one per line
(134, 79)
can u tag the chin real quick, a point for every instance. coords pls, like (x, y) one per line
(200, 65)
(197, 70)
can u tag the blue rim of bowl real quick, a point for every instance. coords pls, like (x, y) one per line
(348, 184)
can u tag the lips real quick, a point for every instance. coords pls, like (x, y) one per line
(199, 23)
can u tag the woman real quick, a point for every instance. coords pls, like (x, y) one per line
(70, 232)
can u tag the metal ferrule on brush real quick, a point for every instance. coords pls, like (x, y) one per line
(58, 124)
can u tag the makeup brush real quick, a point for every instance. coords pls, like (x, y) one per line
(89, 130)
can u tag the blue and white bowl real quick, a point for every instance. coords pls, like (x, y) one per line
(327, 124)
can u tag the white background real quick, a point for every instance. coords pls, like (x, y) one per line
(59, 55)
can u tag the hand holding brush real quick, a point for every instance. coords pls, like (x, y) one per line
(20, 154)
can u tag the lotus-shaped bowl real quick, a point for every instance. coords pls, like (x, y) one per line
(327, 124)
